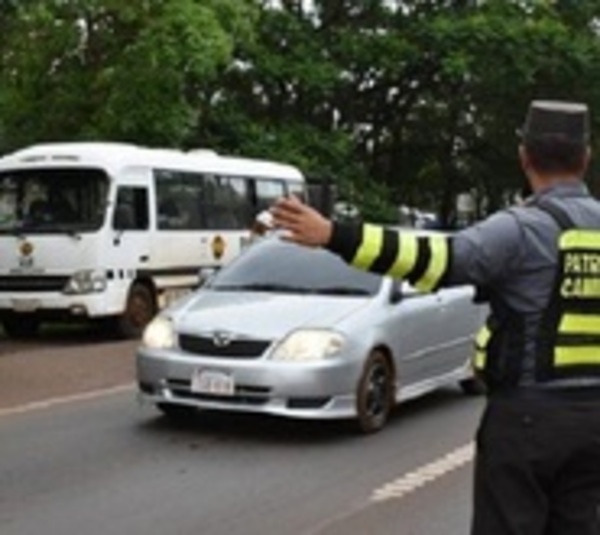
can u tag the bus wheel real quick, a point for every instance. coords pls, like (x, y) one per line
(21, 325)
(139, 310)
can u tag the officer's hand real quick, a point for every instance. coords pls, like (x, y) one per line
(301, 223)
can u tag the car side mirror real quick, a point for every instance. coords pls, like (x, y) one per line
(396, 294)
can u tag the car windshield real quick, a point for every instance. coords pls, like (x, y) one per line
(52, 200)
(276, 266)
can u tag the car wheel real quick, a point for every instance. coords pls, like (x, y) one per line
(375, 393)
(139, 310)
(21, 326)
(176, 412)
(472, 386)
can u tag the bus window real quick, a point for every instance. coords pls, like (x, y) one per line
(297, 189)
(226, 203)
(232, 203)
(131, 211)
(52, 200)
(194, 201)
(267, 192)
(9, 206)
(178, 199)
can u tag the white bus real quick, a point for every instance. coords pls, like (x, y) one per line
(115, 231)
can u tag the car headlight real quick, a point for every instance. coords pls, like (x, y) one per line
(308, 345)
(86, 281)
(159, 334)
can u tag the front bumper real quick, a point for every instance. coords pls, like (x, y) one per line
(317, 390)
(59, 305)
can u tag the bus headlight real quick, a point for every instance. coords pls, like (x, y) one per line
(159, 334)
(308, 345)
(86, 281)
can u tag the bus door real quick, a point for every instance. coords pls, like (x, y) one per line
(130, 236)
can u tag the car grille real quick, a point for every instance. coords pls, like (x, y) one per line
(244, 395)
(201, 345)
(33, 283)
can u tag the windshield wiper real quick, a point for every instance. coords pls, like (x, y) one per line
(262, 287)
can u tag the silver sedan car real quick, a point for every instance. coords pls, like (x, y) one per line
(295, 332)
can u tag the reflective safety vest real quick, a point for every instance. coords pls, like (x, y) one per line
(568, 342)
(570, 336)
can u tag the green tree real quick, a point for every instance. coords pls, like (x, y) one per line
(421, 98)
(87, 69)
(404, 102)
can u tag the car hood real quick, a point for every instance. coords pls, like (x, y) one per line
(262, 315)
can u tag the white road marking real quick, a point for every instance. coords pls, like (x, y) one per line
(402, 486)
(48, 403)
(425, 474)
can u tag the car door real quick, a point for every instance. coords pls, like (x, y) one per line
(460, 319)
(416, 332)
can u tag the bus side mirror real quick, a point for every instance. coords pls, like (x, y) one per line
(205, 274)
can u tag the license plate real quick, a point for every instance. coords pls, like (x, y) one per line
(212, 382)
(25, 305)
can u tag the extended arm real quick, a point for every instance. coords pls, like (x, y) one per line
(479, 255)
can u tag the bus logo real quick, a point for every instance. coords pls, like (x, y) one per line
(26, 248)
(218, 247)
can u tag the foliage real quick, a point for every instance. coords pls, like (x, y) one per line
(85, 69)
(397, 102)
(427, 94)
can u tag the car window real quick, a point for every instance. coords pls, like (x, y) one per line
(274, 265)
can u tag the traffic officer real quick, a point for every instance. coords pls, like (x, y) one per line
(537, 467)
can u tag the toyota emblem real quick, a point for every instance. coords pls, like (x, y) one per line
(222, 339)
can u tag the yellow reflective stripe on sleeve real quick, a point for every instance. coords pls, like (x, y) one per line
(576, 355)
(481, 341)
(369, 248)
(483, 337)
(438, 264)
(479, 360)
(407, 255)
(579, 324)
(586, 239)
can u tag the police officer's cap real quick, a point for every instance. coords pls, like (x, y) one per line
(567, 121)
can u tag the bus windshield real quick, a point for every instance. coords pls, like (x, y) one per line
(52, 200)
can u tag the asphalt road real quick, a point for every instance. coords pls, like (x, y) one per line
(105, 465)
(60, 363)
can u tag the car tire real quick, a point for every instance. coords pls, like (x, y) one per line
(472, 387)
(21, 326)
(139, 310)
(176, 413)
(375, 393)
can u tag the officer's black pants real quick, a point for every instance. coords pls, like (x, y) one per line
(537, 468)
